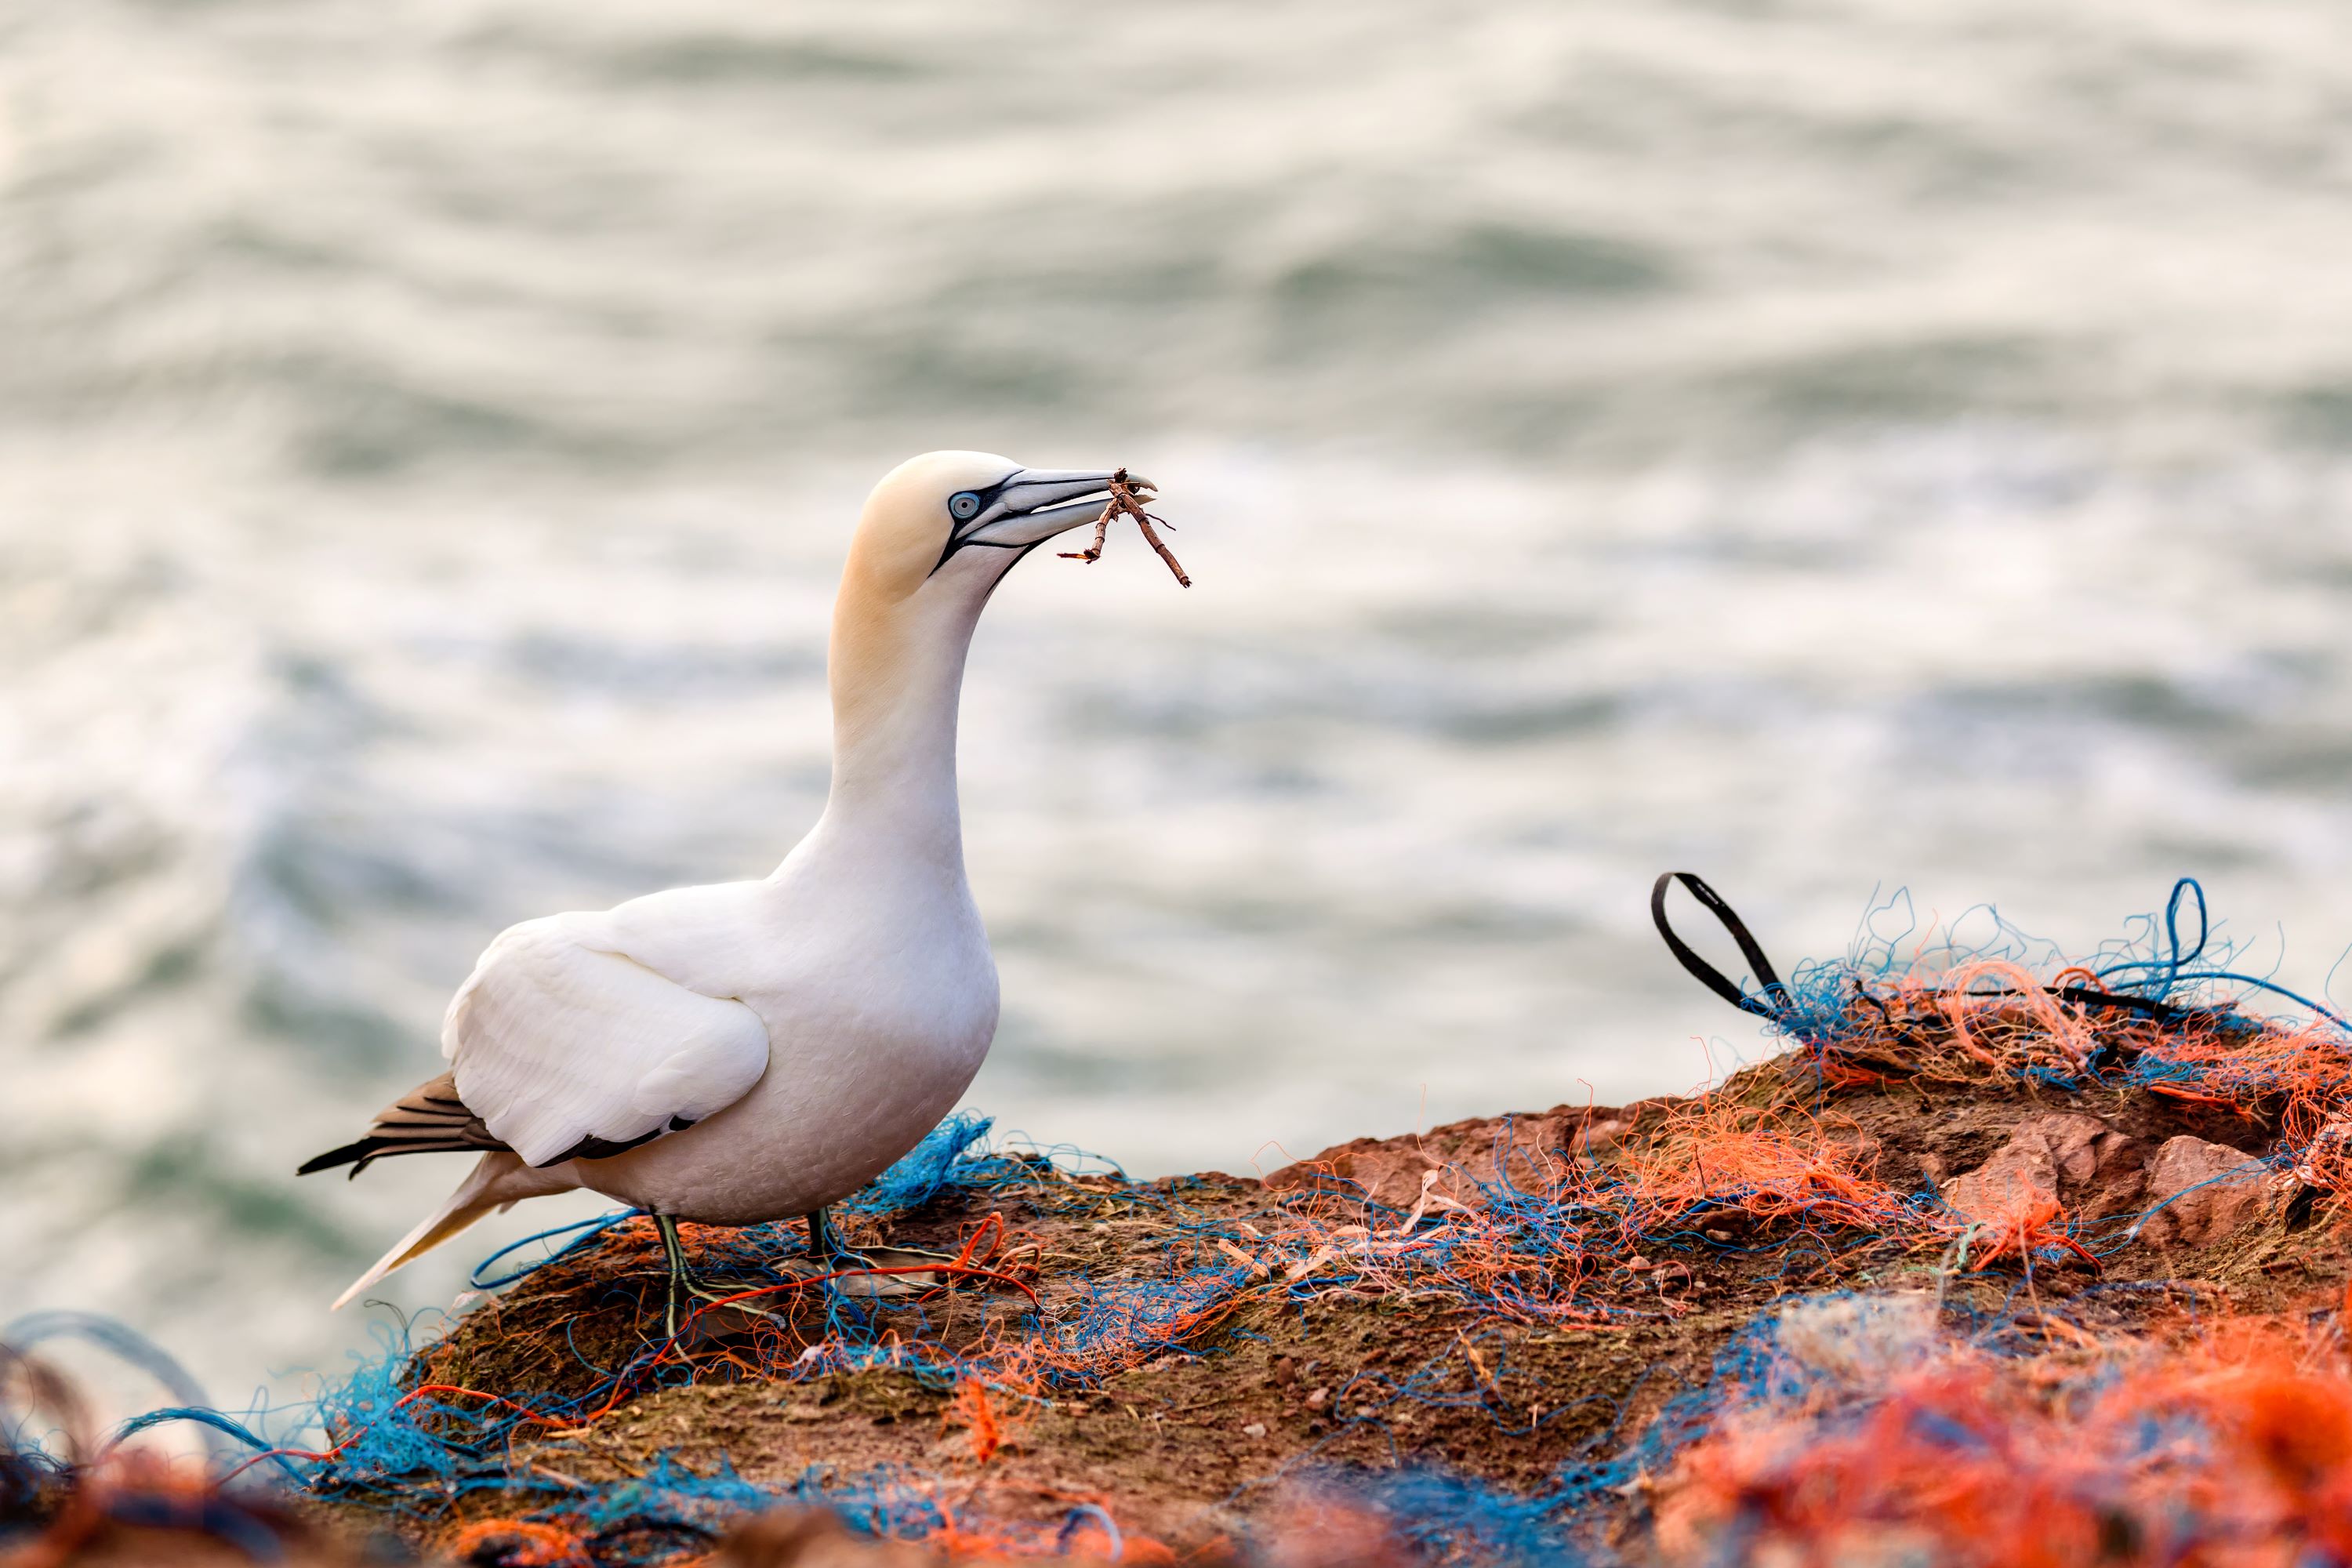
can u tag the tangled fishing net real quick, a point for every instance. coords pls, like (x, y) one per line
(2005, 1258)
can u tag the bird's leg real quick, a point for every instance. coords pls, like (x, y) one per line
(681, 1277)
(823, 1245)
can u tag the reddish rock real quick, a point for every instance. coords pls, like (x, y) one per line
(2199, 1192)
(2076, 1142)
(2077, 1160)
(2020, 1173)
(1530, 1150)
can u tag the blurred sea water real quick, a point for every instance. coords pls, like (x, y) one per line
(1827, 445)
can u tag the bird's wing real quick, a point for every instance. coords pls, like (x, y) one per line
(428, 1119)
(570, 1050)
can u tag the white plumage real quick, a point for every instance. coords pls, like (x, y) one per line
(756, 1050)
(560, 1035)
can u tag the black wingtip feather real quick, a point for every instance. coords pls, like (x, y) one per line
(358, 1156)
(416, 1123)
(350, 1154)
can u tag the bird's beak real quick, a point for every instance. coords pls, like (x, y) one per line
(1035, 504)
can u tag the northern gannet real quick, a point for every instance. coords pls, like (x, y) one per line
(753, 1051)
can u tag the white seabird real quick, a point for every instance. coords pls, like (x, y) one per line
(753, 1051)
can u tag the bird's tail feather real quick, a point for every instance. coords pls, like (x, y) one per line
(472, 1200)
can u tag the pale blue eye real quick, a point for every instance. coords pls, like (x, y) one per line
(964, 505)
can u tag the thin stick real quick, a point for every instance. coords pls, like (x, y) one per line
(1144, 519)
(1123, 502)
(1102, 528)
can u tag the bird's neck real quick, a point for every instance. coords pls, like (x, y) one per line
(895, 670)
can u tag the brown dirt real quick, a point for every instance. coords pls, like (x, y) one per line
(1187, 1446)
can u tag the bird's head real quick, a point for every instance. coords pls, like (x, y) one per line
(937, 535)
(960, 520)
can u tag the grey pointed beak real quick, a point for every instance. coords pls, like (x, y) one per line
(1033, 505)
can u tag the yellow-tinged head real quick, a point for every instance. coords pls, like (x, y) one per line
(937, 534)
(966, 515)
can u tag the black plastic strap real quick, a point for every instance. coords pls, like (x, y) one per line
(1706, 974)
(1776, 999)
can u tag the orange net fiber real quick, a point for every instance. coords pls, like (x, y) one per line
(2009, 1258)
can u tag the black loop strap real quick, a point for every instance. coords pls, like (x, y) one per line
(1776, 1000)
(1706, 974)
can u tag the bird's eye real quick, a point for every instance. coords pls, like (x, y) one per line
(964, 505)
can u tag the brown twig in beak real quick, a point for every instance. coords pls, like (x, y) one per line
(1123, 502)
(1093, 553)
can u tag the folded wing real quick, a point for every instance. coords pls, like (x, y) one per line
(566, 1049)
